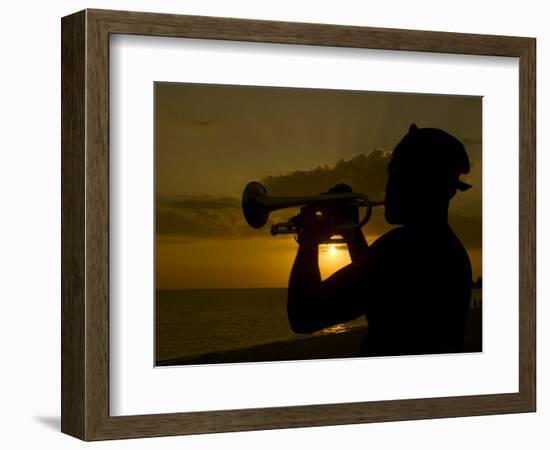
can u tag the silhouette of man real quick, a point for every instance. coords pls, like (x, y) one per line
(414, 282)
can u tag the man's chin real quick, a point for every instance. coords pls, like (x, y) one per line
(392, 218)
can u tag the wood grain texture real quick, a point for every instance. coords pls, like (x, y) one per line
(151, 24)
(85, 224)
(97, 226)
(527, 224)
(73, 317)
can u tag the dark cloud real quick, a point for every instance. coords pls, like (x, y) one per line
(365, 173)
(195, 217)
(185, 218)
(202, 217)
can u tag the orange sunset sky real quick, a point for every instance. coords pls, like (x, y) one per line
(211, 140)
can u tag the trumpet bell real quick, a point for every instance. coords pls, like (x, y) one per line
(255, 213)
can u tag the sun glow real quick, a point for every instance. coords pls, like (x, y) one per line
(332, 258)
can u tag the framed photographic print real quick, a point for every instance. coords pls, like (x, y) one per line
(267, 224)
(222, 280)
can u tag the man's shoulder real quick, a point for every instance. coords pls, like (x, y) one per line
(396, 235)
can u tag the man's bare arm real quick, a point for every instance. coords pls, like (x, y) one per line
(314, 304)
(357, 244)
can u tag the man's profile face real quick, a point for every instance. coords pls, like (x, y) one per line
(423, 175)
(412, 193)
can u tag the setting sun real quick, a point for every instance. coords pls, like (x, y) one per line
(332, 257)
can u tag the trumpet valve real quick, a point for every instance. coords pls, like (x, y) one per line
(283, 228)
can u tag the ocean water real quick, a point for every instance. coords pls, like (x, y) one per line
(191, 322)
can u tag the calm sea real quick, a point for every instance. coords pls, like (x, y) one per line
(196, 321)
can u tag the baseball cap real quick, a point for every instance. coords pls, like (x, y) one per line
(435, 153)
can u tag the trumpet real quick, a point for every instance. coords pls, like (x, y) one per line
(257, 205)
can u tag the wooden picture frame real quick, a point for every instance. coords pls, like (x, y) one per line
(85, 224)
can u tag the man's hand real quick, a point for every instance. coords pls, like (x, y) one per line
(313, 226)
(317, 224)
(345, 213)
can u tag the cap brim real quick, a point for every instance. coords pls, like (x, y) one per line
(461, 186)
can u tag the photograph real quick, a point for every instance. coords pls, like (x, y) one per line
(301, 224)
